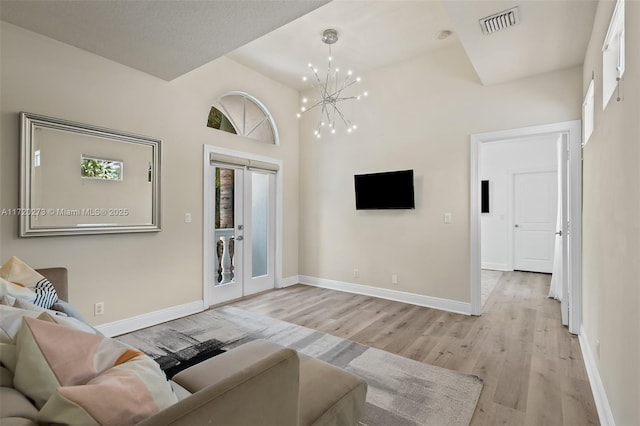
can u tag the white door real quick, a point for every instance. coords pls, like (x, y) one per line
(534, 216)
(244, 233)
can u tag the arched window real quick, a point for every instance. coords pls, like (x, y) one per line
(242, 114)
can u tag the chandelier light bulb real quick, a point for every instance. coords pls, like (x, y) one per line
(303, 109)
(354, 127)
(349, 72)
(322, 123)
(337, 70)
(349, 129)
(318, 135)
(315, 70)
(304, 100)
(366, 93)
(358, 97)
(298, 115)
(331, 58)
(304, 78)
(310, 65)
(358, 79)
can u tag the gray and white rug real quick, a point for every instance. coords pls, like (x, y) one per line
(401, 391)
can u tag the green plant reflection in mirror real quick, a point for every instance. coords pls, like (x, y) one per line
(96, 168)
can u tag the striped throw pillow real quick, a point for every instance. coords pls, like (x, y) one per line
(19, 273)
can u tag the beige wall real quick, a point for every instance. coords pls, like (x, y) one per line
(419, 115)
(611, 229)
(135, 273)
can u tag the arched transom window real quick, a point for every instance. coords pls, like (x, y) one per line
(242, 114)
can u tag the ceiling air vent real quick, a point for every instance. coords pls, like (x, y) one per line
(500, 21)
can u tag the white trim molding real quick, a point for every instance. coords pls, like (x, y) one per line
(289, 281)
(573, 130)
(597, 387)
(384, 293)
(128, 325)
(208, 208)
(496, 266)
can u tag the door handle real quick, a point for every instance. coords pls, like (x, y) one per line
(559, 232)
(516, 225)
(239, 238)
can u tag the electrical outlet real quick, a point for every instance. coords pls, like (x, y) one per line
(98, 309)
(187, 218)
(356, 273)
(447, 218)
(394, 279)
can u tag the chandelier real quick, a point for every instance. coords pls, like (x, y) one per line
(331, 93)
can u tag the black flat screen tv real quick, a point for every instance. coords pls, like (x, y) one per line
(388, 190)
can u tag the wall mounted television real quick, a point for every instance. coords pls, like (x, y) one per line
(388, 190)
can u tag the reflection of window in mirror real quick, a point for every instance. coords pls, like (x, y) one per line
(74, 177)
(99, 168)
(242, 114)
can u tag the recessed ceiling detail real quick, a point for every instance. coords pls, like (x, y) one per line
(500, 21)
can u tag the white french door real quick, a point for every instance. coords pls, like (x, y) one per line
(243, 234)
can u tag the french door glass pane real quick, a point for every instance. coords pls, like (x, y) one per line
(224, 223)
(259, 221)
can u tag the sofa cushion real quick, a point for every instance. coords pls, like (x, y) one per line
(6, 377)
(18, 272)
(15, 404)
(17, 421)
(89, 377)
(329, 395)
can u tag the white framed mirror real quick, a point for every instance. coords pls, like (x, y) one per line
(82, 179)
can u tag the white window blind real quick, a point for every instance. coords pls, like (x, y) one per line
(613, 60)
(240, 161)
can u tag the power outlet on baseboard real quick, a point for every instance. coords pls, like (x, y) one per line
(394, 279)
(356, 273)
(98, 309)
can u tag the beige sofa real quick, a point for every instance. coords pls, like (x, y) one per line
(259, 383)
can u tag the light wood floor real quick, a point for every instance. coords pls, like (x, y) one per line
(532, 367)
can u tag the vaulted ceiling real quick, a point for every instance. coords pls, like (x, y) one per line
(279, 37)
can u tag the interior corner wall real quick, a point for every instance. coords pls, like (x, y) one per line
(134, 274)
(611, 229)
(419, 115)
(497, 163)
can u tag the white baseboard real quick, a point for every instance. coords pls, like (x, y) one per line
(292, 280)
(496, 266)
(383, 293)
(599, 395)
(152, 318)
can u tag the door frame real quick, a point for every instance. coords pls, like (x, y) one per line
(208, 214)
(511, 241)
(573, 132)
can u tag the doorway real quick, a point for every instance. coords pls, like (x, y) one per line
(568, 228)
(241, 226)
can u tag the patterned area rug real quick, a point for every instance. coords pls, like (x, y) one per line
(401, 391)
